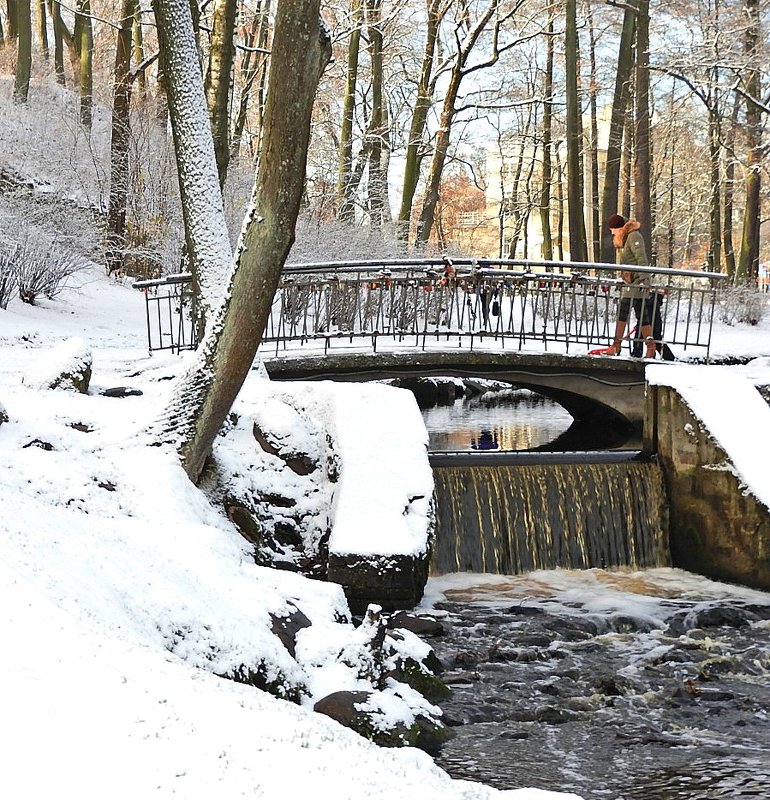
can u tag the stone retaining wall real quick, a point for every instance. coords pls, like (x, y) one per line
(717, 527)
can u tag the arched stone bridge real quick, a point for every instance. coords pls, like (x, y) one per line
(590, 388)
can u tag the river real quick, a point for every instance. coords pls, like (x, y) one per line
(616, 685)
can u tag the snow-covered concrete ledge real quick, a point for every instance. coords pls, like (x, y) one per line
(338, 484)
(381, 523)
(710, 427)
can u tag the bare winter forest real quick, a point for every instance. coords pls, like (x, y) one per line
(497, 128)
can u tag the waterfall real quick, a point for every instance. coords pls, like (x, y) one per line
(509, 519)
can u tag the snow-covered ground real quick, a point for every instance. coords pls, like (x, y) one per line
(126, 593)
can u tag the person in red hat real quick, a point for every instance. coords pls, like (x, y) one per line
(629, 243)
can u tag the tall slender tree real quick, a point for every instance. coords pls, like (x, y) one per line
(748, 263)
(378, 183)
(60, 33)
(85, 45)
(42, 28)
(345, 204)
(218, 83)
(467, 34)
(23, 20)
(620, 103)
(120, 138)
(416, 146)
(575, 203)
(545, 189)
(593, 147)
(642, 139)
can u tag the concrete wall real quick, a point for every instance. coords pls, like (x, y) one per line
(717, 528)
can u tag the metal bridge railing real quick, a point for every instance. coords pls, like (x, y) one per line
(168, 303)
(424, 303)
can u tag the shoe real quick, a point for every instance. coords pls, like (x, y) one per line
(650, 350)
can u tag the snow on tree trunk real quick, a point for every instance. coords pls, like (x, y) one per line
(205, 393)
(208, 243)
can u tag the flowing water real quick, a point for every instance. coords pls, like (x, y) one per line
(635, 683)
(511, 519)
(615, 685)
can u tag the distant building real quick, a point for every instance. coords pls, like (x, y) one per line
(509, 225)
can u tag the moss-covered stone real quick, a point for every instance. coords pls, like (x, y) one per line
(345, 707)
(430, 686)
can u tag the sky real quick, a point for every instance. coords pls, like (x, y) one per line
(127, 592)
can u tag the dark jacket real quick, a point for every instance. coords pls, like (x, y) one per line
(633, 254)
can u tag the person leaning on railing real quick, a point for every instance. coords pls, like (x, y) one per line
(629, 243)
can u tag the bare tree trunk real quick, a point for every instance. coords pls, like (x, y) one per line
(137, 46)
(11, 18)
(300, 51)
(714, 256)
(24, 51)
(249, 66)
(54, 9)
(642, 146)
(670, 158)
(559, 206)
(121, 136)
(617, 122)
(440, 150)
(545, 192)
(441, 143)
(207, 241)
(596, 232)
(42, 28)
(219, 80)
(387, 214)
(86, 71)
(577, 240)
(376, 131)
(255, 142)
(345, 205)
(748, 262)
(729, 197)
(415, 144)
(519, 210)
(671, 239)
(627, 167)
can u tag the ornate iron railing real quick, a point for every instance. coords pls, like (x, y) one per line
(428, 303)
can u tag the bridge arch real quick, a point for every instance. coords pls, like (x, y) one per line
(592, 389)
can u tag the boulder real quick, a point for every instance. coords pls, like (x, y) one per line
(66, 366)
(393, 582)
(421, 626)
(346, 707)
(286, 628)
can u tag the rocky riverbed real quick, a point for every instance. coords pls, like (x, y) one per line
(629, 686)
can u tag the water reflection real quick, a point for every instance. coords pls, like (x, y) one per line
(486, 441)
(514, 419)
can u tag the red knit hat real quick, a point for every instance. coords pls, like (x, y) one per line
(616, 221)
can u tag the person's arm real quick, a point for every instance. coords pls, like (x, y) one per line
(636, 245)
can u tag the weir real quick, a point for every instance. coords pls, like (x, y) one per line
(509, 518)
